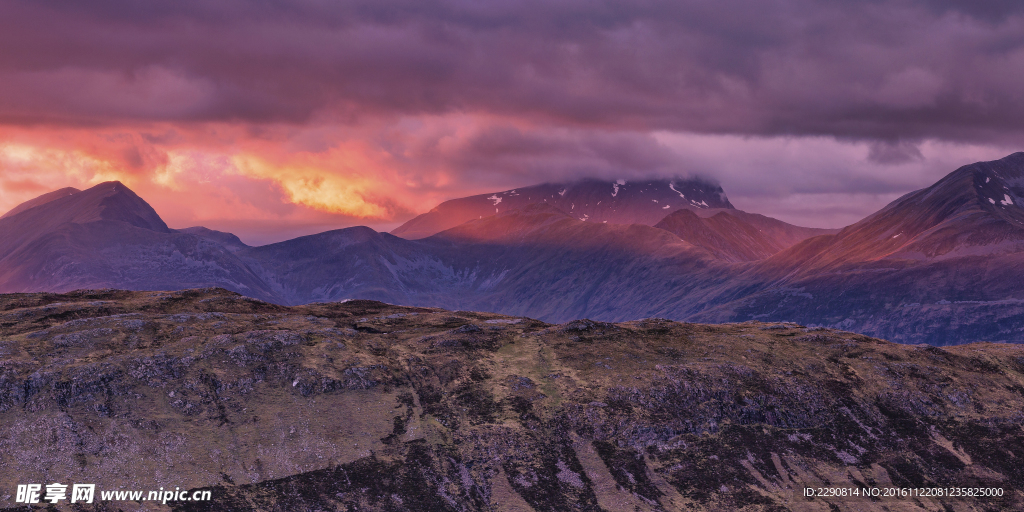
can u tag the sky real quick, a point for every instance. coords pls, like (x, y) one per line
(273, 119)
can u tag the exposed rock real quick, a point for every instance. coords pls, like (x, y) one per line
(289, 409)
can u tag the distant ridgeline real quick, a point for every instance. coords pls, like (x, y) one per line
(940, 265)
(618, 202)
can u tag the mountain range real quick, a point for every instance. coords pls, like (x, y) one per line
(939, 265)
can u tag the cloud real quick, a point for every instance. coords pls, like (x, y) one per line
(820, 181)
(883, 69)
(281, 181)
(893, 152)
(301, 115)
(377, 172)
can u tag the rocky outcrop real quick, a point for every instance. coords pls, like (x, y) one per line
(365, 406)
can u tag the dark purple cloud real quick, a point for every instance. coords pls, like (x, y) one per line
(888, 70)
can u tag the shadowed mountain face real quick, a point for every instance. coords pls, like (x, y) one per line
(365, 406)
(107, 236)
(734, 235)
(976, 210)
(618, 202)
(228, 240)
(536, 261)
(938, 266)
(109, 201)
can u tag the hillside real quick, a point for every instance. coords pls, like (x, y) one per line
(109, 237)
(938, 265)
(362, 405)
(537, 261)
(615, 202)
(735, 235)
(41, 200)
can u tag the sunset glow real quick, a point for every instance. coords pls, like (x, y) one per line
(306, 116)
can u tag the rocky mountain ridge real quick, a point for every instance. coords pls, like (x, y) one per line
(366, 406)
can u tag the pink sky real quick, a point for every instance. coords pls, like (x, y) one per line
(275, 119)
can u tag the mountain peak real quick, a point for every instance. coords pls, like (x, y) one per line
(110, 201)
(618, 201)
(117, 202)
(974, 210)
(979, 192)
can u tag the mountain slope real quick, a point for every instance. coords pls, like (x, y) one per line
(550, 265)
(538, 261)
(228, 240)
(619, 202)
(43, 199)
(938, 265)
(976, 209)
(735, 235)
(108, 237)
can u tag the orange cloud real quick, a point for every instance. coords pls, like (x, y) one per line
(326, 176)
(337, 181)
(299, 179)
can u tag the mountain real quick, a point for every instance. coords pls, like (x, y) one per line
(108, 237)
(938, 265)
(366, 406)
(43, 199)
(735, 235)
(695, 211)
(974, 211)
(618, 202)
(536, 261)
(110, 201)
